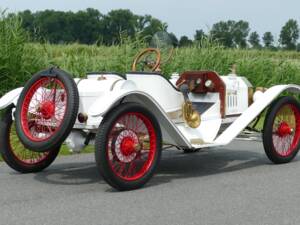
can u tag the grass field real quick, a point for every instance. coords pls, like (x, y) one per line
(19, 58)
(262, 67)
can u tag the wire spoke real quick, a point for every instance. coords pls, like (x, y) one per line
(128, 152)
(286, 130)
(45, 106)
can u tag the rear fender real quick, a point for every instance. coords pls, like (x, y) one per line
(253, 111)
(104, 104)
(10, 98)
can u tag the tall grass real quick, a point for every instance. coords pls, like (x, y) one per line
(12, 43)
(20, 59)
(262, 68)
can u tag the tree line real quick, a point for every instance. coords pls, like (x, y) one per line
(91, 26)
(87, 26)
(236, 34)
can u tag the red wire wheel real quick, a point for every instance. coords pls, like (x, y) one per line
(128, 146)
(16, 155)
(43, 109)
(46, 110)
(281, 135)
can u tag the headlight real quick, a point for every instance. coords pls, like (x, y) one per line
(82, 117)
(208, 83)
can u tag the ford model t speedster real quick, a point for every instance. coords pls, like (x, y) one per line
(130, 118)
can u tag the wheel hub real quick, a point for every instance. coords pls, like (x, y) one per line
(284, 129)
(126, 146)
(47, 109)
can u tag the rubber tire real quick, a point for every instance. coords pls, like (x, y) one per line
(70, 114)
(268, 126)
(5, 148)
(190, 151)
(101, 142)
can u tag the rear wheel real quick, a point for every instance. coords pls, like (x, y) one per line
(15, 154)
(282, 130)
(47, 109)
(128, 146)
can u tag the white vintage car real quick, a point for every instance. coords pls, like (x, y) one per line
(131, 118)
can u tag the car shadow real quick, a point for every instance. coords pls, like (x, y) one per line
(207, 163)
(70, 173)
(174, 165)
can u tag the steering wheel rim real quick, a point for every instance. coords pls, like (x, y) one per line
(145, 52)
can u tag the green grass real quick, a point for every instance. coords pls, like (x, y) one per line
(64, 150)
(262, 68)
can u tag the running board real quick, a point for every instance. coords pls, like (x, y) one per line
(252, 112)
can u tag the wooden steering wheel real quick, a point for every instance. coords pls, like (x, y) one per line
(153, 65)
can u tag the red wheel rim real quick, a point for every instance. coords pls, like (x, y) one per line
(43, 109)
(286, 130)
(21, 154)
(131, 146)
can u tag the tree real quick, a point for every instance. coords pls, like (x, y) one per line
(27, 20)
(240, 33)
(289, 34)
(298, 47)
(268, 39)
(52, 26)
(222, 32)
(88, 26)
(148, 26)
(85, 26)
(254, 40)
(117, 21)
(64, 27)
(231, 33)
(200, 34)
(174, 39)
(185, 41)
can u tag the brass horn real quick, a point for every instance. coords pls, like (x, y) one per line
(191, 116)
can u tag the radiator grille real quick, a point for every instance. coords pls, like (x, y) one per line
(232, 101)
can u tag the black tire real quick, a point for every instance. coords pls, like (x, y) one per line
(9, 152)
(70, 104)
(281, 134)
(103, 137)
(190, 151)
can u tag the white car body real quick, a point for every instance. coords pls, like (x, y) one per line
(100, 92)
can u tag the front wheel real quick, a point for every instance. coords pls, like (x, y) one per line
(282, 130)
(128, 146)
(15, 154)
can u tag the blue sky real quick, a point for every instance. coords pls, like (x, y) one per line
(183, 17)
